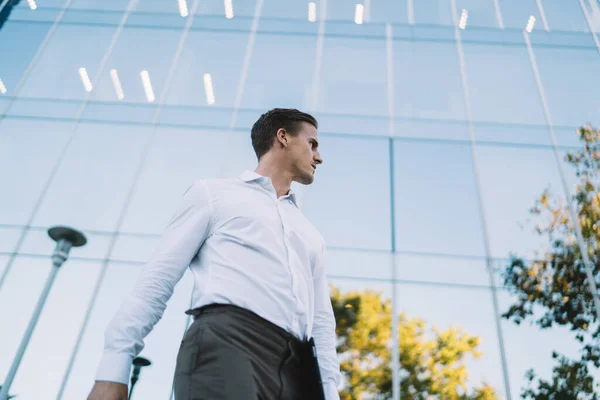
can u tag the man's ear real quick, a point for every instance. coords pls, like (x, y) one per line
(282, 137)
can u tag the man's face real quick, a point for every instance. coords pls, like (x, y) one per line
(304, 154)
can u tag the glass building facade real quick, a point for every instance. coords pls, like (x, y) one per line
(440, 123)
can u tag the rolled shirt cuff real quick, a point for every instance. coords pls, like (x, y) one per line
(331, 391)
(114, 367)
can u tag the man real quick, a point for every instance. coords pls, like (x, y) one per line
(261, 299)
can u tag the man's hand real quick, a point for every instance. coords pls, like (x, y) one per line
(108, 391)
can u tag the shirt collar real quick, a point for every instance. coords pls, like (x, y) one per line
(252, 176)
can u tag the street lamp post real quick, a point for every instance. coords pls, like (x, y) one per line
(138, 364)
(65, 239)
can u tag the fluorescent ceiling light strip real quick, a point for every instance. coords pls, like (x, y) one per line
(147, 86)
(312, 12)
(208, 89)
(228, 9)
(32, 4)
(463, 19)
(530, 24)
(117, 84)
(2, 87)
(85, 79)
(183, 8)
(359, 12)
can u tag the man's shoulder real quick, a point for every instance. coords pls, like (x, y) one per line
(216, 185)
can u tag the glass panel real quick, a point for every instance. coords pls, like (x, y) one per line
(47, 4)
(240, 8)
(56, 74)
(376, 11)
(290, 9)
(593, 11)
(344, 264)
(393, 11)
(516, 13)
(511, 133)
(285, 81)
(359, 87)
(511, 181)
(161, 344)
(3, 261)
(432, 12)
(220, 54)
(435, 187)
(176, 158)
(240, 154)
(27, 149)
(427, 80)
(21, 41)
(50, 346)
(9, 236)
(455, 313)
(93, 180)
(561, 77)
(427, 129)
(138, 50)
(92, 17)
(115, 5)
(353, 124)
(40, 109)
(480, 12)
(23, 12)
(18, 297)
(565, 16)
(134, 248)
(342, 218)
(441, 270)
(502, 84)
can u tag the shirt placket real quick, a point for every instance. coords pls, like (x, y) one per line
(286, 228)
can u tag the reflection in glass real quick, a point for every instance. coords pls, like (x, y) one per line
(161, 345)
(360, 86)
(463, 317)
(55, 75)
(219, 54)
(481, 12)
(427, 80)
(175, 159)
(502, 85)
(48, 353)
(570, 86)
(89, 192)
(21, 40)
(511, 179)
(280, 72)
(516, 13)
(360, 220)
(8, 239)
(31, 148)
(436, 199)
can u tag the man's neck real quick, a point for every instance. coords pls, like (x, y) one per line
(280, 179)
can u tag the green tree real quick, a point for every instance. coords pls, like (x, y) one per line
(553, 290)
(431, 365)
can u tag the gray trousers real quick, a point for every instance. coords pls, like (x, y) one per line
(230, 353)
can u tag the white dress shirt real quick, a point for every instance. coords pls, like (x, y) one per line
(244, 246)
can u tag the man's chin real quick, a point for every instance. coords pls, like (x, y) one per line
(305, 180)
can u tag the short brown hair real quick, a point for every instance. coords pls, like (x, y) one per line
(265, 128)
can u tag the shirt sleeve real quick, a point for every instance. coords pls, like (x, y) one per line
(145, 305)
(324, 334)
